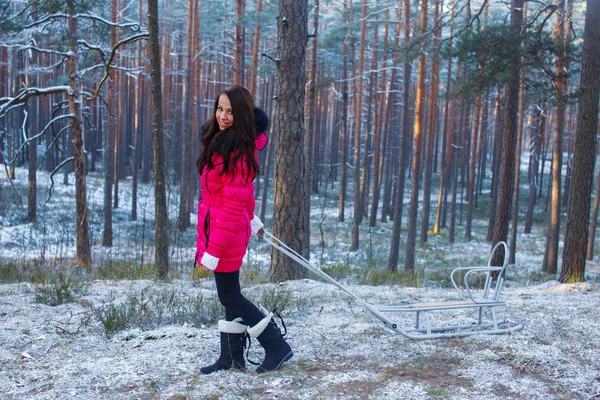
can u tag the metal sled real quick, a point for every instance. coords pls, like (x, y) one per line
(486, 299)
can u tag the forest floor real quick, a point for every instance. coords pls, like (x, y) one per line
(111, 334)
(341, 351)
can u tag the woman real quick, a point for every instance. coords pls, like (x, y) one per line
(227, 165)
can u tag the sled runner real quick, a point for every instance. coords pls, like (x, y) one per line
(482, 302)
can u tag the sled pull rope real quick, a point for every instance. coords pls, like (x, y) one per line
(279, 245)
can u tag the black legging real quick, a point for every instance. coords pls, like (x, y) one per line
(236, 305)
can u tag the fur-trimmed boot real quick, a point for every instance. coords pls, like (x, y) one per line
(233, 342)
(277, 350)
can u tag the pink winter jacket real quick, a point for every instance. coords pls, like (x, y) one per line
(225, 210)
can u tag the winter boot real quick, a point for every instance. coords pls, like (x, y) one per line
(277, 350)
(233, 341)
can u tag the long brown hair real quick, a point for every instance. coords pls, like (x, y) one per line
(235, 142)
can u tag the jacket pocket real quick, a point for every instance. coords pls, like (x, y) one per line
(248, 228)
(207, 227)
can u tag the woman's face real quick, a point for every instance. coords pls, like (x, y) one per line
(224, 113)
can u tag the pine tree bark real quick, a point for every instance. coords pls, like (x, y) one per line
(404, 141)
(432, 122)
(496, 159)
(310, 110)
(443, 187)
(357, 212)
(138, 123)
(378, 131)
(345, 134)
(84, 253)
(515, 210)
(289, 207)
(109, 154)
(194, 191)
(573, 262)
(160, 200)
(508, 146)
(474, 144)
(550, 262)
(593, 222)
(368, 159)
(255, 46)
(239, 45)
(537, 133)
(33, 108)
(185, 184)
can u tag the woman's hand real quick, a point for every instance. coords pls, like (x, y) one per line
(257, 226)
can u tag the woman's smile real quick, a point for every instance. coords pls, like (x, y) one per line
(224, 113)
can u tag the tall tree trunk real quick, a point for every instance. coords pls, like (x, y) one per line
(344, 123)
(139, 115)
(357, 212)
(510, 134)
(515, 210)
(451, 143)
(194, 191)
(116, 108)
(474, 144)
(378, 131)
(569, 123)
(255, 48)
(497, 160)
(109, 146)
(160, 200)
(267, 168)
(310, 110)
(443, 187)
(432, 122)
(537, 132)
(239, 45)
(289, 207)
(33, 107)
(368, 159)
(84, 253)
(593, 222)
(550, 262)
(458, 154)
(185, 185)
(399, 187)
(573, 262)
(483, 146)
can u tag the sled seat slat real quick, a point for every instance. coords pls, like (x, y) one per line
(454, 304)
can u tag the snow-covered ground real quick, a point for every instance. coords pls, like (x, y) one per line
(341, 350)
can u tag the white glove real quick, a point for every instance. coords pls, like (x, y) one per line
(256, 225)
(209, 262)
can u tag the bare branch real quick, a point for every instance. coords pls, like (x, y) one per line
(270, 57)
(52, 177)
(24, 126)
(134, 38)
(84, 71)
(91, 46)
(22, 97)
(133, 25)
(65, 331)
(49, 18)
(45, 51)
(26, 139)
